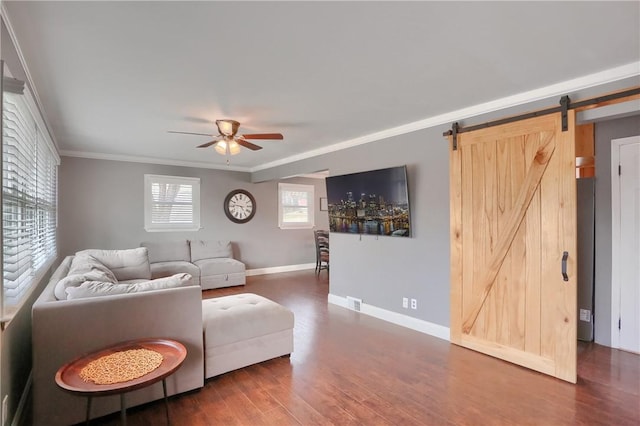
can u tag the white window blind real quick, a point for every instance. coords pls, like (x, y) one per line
(172, 203)
(29, 195)
(295, 206)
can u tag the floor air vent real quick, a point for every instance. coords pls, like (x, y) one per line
(353, 303)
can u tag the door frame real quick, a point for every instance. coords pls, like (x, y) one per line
(616, 144)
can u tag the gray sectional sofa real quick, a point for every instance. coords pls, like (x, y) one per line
(98, 298)
(65, 329)
(210, 263)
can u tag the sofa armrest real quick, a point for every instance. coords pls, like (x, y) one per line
(66, 329)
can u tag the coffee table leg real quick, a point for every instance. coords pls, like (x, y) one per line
(166, 401)
(88, 409)
(123, 411)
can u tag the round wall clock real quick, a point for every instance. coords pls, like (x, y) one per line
(239, 206)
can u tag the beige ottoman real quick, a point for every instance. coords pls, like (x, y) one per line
(244, 329)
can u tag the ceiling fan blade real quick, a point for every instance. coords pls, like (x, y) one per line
(205, 145)
(190, 133)
(274, 136)
(247, 144)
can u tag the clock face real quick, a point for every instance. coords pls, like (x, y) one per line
(239, 206)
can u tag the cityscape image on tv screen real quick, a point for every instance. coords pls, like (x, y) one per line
(374, 202)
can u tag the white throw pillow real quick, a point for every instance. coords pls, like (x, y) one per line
(97, 288)
(69, 281)
(91, 268)
(83, 268)
(127, 264)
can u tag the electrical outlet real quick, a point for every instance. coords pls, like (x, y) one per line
(585, 315)
(5, 409)
(414, 304)
(405, 302)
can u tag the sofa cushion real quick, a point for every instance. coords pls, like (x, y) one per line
(165, 269)
(168, 251)
(219, 266)
(125, 264)
(210, 249)
(97, 288)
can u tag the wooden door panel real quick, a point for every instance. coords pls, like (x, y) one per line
(513, 215)
(533, 274)
(493, 246)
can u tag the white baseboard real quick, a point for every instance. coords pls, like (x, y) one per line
(422, 326)
(18, 416)
(278, 269)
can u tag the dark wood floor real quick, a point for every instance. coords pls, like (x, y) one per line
(348, 368)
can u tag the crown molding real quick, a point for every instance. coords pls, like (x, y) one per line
(29, 82)
(608, 76)
(151, 160)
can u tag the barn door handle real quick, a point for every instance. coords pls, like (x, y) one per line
(565, 256)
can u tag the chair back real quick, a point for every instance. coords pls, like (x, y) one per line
(322, 249)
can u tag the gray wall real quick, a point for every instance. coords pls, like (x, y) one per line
(16, 351)
(605, 132)
(381, 271)
(101, 205)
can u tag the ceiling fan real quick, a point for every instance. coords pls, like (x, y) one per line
(227, 143)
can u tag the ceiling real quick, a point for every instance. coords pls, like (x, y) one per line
(114, 77)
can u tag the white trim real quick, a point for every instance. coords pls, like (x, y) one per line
(616, 144)
(580, 83)
(24, 397)
(23, 63)
(278, 269)
(416, 324)
(323, 174)
(151, 160)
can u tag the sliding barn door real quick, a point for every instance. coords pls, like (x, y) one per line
(513, 217)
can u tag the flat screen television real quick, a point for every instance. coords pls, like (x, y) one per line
(375, 202)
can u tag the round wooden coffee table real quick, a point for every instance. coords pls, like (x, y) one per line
(173, 354)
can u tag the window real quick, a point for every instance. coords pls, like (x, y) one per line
(295, 206)
(171, 203)
(29, 199)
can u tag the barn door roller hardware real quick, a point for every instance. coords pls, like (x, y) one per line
(565, 106)
(454, 133)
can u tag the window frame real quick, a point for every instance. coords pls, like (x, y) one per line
(149, 181)
(42, 172)
(295, 187)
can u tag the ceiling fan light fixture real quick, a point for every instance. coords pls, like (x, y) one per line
(221, 147)
(227, 127)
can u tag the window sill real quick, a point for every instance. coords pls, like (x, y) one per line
(173, 229)
(10, 312)
(306, 226)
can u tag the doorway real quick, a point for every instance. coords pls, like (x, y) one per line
(625, 215)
